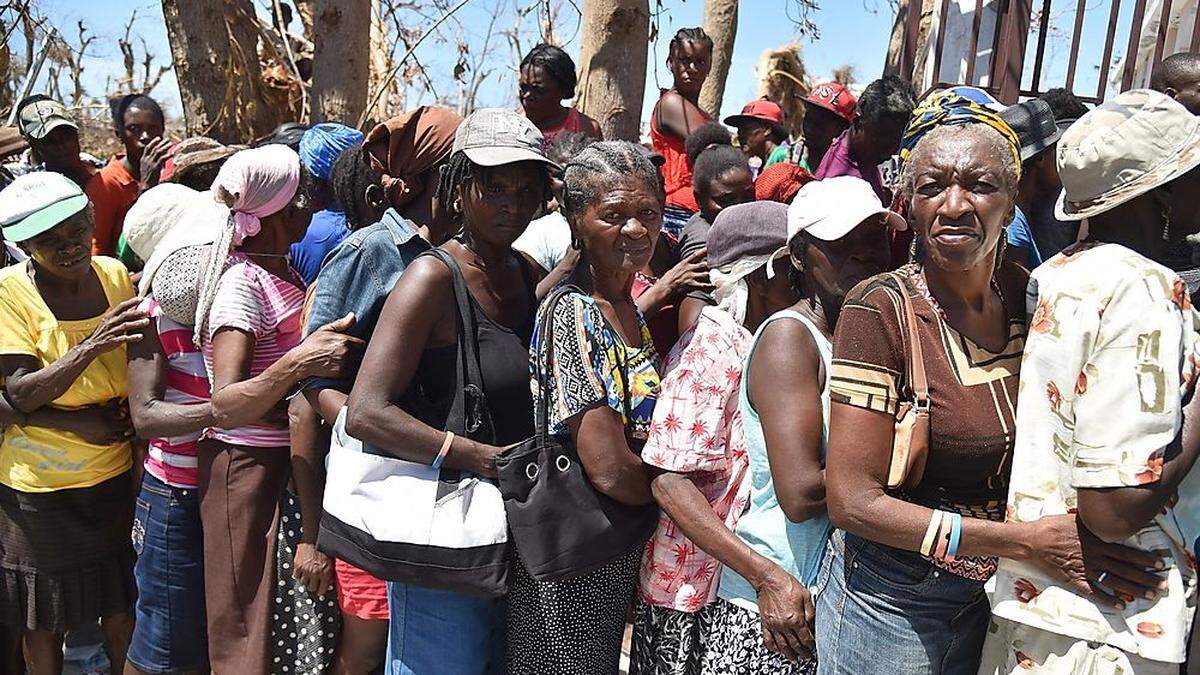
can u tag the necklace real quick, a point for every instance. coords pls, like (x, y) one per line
(917, 278)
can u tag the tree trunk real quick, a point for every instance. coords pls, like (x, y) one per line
(612, 65)
(342, 64)
(220, 77)
(380, 67)
(720, 22)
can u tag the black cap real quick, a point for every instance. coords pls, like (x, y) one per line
(1033, 121)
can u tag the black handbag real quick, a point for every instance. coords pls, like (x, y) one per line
(562, 526)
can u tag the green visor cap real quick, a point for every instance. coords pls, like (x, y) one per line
(45, 219)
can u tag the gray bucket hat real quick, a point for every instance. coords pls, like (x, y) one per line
(494, 136)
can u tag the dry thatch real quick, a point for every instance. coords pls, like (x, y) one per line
(783, 78)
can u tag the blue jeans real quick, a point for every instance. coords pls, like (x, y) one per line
(169, 635)
(435, 632)
(880, 609)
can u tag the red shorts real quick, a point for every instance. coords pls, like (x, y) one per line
(359, 593)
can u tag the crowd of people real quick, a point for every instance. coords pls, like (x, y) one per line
(911, 392)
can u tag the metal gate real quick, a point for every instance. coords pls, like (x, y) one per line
(1010, 43)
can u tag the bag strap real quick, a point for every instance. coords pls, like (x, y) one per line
(918, 382)
(545, 342)
(467, 370)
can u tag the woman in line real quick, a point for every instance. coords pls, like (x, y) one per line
(696, 442)
(65, 512)
(675, 116)
(386, 225)
(495, 181)
(902, 579)
(602, 385)
(1111, 356)
(247, 322)
(547, 79)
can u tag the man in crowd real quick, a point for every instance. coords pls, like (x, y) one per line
(873, 136)
(828, 112)
(1178, 76)
(761, 132)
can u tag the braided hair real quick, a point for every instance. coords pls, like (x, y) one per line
(455, 173)
(349, 178)
(594, 170)
(682, 35)
(557, 64)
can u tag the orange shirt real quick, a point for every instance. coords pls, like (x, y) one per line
(112, 191)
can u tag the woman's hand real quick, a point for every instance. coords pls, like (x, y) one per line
(688, 274)
(313, 569)
(326, 352)
(1055, 550)
(104, 424)
(120, 325)
(1119, 572)
(786, 609)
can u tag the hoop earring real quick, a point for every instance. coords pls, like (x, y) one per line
(1002, 247)
(1166, 218)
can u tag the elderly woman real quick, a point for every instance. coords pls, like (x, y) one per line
(247, 324)
(601, 388)
(902, 579)
(495, 181)
(389, 229)
(1112, 344)
(65, 483)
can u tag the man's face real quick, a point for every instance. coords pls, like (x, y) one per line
(59, 149)
(752, 137)
(139, 128)
(1187, 93)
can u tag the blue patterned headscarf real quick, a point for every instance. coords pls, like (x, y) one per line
(951, 108)
(322, 144)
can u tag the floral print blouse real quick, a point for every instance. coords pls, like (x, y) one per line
(697, 431)
(1110, 352)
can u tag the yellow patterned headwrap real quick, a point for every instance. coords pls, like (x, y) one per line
(949, 108)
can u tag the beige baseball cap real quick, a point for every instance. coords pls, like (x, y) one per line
(37, 119)
(1122, 149)
(494, 136)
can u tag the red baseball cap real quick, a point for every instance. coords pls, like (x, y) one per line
(835, 98)
(761, 109)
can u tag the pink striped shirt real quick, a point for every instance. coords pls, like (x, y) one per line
(253, 300)
(173, 460)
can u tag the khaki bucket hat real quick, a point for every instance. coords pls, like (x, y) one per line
(1122, 149)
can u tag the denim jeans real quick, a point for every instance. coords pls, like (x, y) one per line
(436, 632)
(169, 635)
(880, 609)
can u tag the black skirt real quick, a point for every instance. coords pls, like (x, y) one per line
(66, 557)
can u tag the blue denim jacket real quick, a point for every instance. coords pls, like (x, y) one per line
(357, 277)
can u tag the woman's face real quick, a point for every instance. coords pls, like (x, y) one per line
(690, 62)
(833, 268)
(961, 202)
(735, 186)
(619, 229)
(498, 202)
(65, 250)
(539, 93)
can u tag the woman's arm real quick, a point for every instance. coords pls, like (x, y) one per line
(328, 402)
(688, 274)
(309, 443)
(238, 399)
(419, 302)
(30, 387)
(856, 466)
(154, 417)
(611, 467)
(785, 375)
(689, 312)
(678, 116)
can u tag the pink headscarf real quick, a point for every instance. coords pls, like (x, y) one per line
(256, 183)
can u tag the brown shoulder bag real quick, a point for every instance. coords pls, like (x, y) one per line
(910, 444)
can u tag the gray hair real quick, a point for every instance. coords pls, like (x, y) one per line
(999, 152)
(598, 166)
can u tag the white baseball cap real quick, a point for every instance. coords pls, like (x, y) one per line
(36, 202)
(829, 209)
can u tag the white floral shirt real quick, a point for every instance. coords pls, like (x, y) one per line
(697, 431)
(1110, 354)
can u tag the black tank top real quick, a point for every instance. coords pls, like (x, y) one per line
(504, 366)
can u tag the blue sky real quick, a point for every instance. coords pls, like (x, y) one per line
(852, 31)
